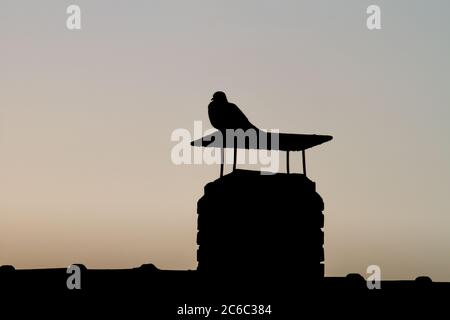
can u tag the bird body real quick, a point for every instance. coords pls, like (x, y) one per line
(225, 115)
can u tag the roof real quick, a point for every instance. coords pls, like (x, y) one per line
(286, 141)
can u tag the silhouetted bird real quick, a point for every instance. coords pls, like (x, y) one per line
(225, 115)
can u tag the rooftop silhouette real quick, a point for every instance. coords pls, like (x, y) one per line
(260, 239)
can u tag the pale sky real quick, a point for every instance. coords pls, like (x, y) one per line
(86, 118)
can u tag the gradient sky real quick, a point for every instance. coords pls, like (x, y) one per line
(86, 118)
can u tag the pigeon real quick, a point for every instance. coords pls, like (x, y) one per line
(225, 115)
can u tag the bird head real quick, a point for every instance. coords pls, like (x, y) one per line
(219, 96)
